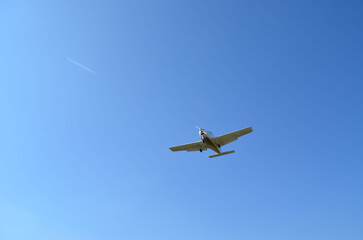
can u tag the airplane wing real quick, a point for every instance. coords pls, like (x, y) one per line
(230, 137)
(190, 147)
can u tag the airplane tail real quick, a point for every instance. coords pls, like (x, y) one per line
(224, 153)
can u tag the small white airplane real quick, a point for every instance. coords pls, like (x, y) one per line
(211, 142)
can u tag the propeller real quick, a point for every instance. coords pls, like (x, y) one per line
(201, 133)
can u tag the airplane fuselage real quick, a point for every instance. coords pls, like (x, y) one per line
(207, 140)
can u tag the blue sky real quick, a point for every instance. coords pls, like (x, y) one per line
(84, 153)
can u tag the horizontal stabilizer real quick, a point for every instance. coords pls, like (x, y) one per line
(224, 153)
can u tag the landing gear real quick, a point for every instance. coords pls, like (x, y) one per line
(219, 145)
(200, 150)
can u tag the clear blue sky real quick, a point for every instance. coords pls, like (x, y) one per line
(84, 148)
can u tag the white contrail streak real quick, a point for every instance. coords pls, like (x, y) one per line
(80, 65)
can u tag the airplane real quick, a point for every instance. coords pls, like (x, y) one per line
(214, 143)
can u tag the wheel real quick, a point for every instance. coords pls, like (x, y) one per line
(219, 145)
(200, 150)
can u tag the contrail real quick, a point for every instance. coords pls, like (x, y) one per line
(80, 65)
